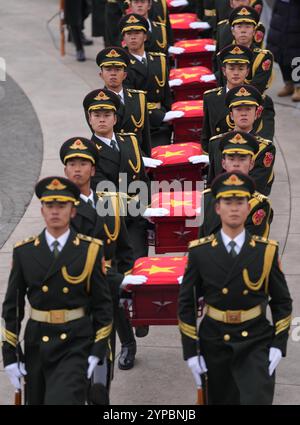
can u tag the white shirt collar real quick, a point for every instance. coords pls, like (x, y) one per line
(239, 240)
(150, 25)
(106, 140)
(139, 58)
(121, 94)
(61, 240)
(87, 198)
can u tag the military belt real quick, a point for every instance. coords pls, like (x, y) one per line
(57, 316)
(153, 105)
(233, 316)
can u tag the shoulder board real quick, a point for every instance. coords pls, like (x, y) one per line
(260, 197)
(126, 134)
(224, 21)
(201, 241)
(25, 241)
(156, 54)
(161, 24)
(217, 137)
(264, 240)
(262, 140)
(212, 90)
(206, 191)
(136, 91)
(89, 239)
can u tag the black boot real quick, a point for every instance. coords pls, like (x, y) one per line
(127, 356)
(86, 41)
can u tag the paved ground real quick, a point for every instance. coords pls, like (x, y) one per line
(55, 88)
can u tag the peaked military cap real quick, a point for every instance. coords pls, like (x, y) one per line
(239, 142)
(57, 189)
(244, 94)
(244, 14)
(78, 147)
(101, 99)
(133, 21)
(113, 56)
(234, 53)
(228, 185)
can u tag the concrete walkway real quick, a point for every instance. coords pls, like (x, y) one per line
(55, 88)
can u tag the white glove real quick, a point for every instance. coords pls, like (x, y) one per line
(156, 212)
(275, 356)
(176, 82)
(197, 366)
(173, 50)
(151, 163)
(15, 372)
(199, 159)
(198, 210)
(171, 115)
(178, 3)
(210, 47)
(199, 25)
(131, 279)
(92, 361)
(180, 279)
(208, 78)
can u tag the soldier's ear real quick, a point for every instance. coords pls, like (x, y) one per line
(73, 212)
(251, 165)
(224, 71)
(93, 170)
(125, 75)
(217, 207)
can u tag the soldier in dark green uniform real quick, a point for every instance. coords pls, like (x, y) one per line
(114, 10)
(148, 71)
(243, 22)
(62, 274)
(132, 114)
(238, 275)
(238, 150)
(159, 13)
(120, 165)
(236, 62)
(105, 222)
(244, 103)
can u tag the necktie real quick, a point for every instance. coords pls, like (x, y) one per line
(55, 251)
(121, 99)
(232, 252)
(114, 146)
(144, 61)
(90, 202)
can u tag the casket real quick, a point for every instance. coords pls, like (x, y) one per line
(156, 301)
(180, 23)
(173, 9)
(193, 84)
(174, 231)
(175, 167)
(197, 52)
(189, 127)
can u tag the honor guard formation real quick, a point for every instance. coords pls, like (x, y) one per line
(180, 157)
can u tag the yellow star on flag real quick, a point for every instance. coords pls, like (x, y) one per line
(155, 269)
(169, 154)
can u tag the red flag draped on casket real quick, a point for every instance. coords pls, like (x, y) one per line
(189, 127)
(196, 52)
(190, 83)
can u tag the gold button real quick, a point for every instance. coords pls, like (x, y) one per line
(66, 290)
(157, 90)
(108, 241)
(225, 291)
(218, 129)
(63, 336)
(134, 177)
(45, 288)
(226, 337)
(245, 292)
(135, 130)
(245, 333)
(45, 339)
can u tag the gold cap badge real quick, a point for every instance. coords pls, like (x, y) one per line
(101, 96)
(56, 185)
(238, 140)
(236, 51)
(244, 12)
(132, 20)
(78, 145)
(233, 180)
(113, 54)
(242, 92)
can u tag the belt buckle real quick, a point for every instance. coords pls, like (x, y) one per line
(233, 316)
(57, 316)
